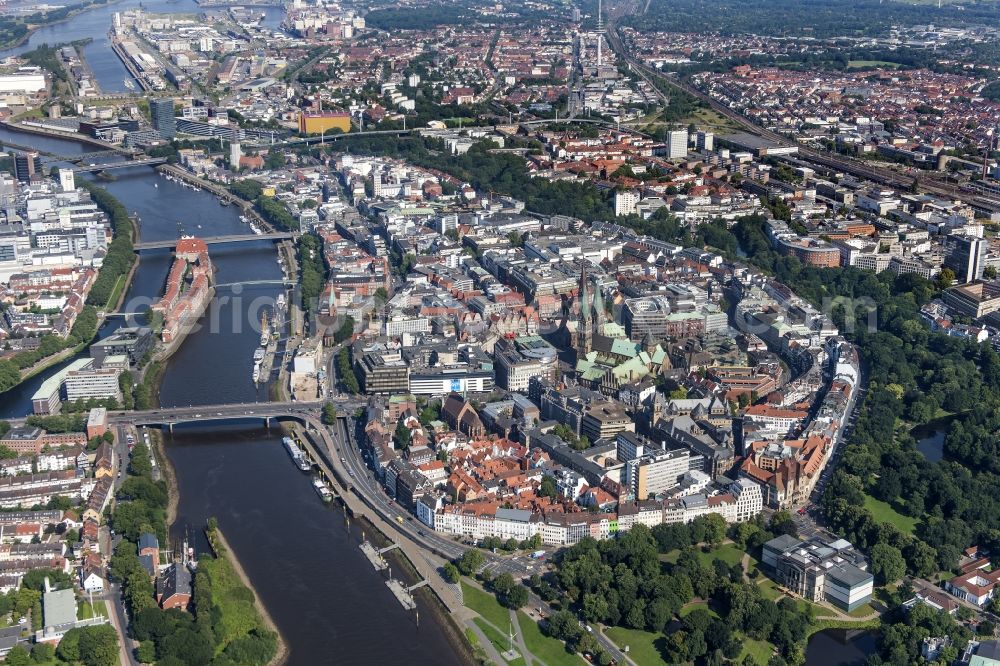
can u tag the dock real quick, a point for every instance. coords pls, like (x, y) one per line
(374, 556)
(356, 505)
(402, 593)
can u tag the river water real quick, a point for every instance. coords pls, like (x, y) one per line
(108, 69)
(326, 599)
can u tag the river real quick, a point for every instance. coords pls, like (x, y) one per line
(94, 24)
(326, 599)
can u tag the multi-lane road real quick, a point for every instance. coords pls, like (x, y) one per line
(352, 459)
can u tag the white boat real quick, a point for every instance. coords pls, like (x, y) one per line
(323, 492)
(298, 457)
(280, 302)
(258, 354)
(265, 331)
(256, 372)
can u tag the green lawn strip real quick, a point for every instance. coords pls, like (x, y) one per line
(486, 605)
(547, 651)
(851, 64)
(769, 588)
(641, 645)
(862, 610)
(86, 611)
(115, 293)
(884, 513)
(759, 651)
(500, 642)
(671, 557)
(687, 609)
(833, 623)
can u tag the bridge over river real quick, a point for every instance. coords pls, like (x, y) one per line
(217, 240)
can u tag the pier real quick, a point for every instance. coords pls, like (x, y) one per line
(127, 61)
(374, 556)
(402, 593)
(217, 190)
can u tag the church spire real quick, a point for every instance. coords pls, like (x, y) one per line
(584, 331)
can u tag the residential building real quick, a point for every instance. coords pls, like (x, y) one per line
(677, 144)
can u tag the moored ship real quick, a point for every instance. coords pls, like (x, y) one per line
(324, 493)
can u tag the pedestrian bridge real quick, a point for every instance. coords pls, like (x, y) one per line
(216, 240)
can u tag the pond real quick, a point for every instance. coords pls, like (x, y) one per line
(840, 647)
(930, 437)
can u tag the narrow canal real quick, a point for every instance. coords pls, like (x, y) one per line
(327, 601)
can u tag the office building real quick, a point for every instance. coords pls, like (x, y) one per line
(67, 180)
(973, 300)
(706, 141)
(96, 382)
(320, 123)
(604, 420)
(967, 258)
(520, 359)
(130, 341)
(656, 472)
(383, 372)
(27, 166)
(162, 113)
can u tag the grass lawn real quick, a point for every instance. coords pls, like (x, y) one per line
(884, 513)
(760, 651)
(486, 605)
(671, 557)
(695, 605)
(115, 293)
(769, 588)
(500, 642)
(852, 64)
(547, 651)
(85, 611)
(641, 644)
(817, 610)
(862, 610)
(728, 553)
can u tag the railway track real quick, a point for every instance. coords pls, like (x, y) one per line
(856, 168)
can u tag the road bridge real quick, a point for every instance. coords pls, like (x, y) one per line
(217, 240)
(168, 417)
(254, 283)
(125, 164)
